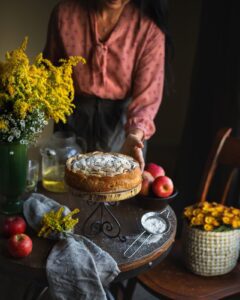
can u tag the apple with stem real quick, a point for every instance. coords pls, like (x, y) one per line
(162, 186)
(19, 245)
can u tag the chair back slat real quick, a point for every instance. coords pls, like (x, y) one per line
(228, 183)
(230, 153)
(212, 162)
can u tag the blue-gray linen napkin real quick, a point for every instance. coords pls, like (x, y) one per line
(76, 267)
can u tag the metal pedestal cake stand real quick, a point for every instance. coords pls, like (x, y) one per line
(107, 223)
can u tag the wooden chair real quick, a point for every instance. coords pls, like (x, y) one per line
(170, 278)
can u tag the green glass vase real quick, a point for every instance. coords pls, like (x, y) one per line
(13, 172)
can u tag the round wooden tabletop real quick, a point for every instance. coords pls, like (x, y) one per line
(128, 213)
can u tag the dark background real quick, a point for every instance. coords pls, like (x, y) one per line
(204, 90)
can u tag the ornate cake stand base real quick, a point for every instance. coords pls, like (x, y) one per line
(106, 224)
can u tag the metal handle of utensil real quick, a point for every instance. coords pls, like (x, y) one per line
(146, 239)
(140, 235)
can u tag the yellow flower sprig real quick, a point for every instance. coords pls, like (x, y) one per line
(3, 125)
(40, 87)
(212, 216)
(54, 221)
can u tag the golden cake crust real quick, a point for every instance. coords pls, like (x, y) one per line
(102, 172)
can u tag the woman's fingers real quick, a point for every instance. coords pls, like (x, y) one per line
(139, 144)
(139, 157)
(135, 140)
(133, 147)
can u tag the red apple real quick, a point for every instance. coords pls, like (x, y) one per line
(162, 186)
(148, 176)
(146, 183)
(14, 225)
(19, 245)
(155, 170)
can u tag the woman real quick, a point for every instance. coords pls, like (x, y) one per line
(119, 91)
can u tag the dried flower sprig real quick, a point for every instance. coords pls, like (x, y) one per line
(33, 93)
(56, 222)
(212, 216)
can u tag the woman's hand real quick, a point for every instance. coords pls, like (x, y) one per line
(133, 146)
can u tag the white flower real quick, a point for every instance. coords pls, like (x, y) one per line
(10, 139)
(22, 123)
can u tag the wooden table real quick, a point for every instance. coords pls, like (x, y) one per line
(129, 215)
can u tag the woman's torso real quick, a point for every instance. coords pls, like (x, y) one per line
(110, 65)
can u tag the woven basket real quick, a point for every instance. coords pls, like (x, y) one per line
(210, 253)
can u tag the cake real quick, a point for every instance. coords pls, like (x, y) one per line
(102, 172)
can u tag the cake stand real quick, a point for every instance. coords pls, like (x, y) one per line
(106, 223)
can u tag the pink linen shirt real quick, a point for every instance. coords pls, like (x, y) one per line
(130, 63)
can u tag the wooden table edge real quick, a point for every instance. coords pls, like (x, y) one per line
(148, 258)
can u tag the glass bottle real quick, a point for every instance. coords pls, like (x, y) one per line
(55, 153)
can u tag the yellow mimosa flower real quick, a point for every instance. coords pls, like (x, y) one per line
(196, 211)
(219, 208)
(188, 212)
(39, 90)
(194, 221)
(200, 216)
(235, 211)
(226, 220)
(215, 223)
(200, 219)
(206, 204)
(21, 109)
(3, 125)
(210, 216)
(228, 214)
(209, 220)
(208, 227)
(235, 224)
(56, 222)
(215, 213)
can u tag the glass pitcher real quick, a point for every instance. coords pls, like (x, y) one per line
(55, 153)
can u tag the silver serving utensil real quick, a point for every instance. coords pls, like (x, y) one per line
(154, 224)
